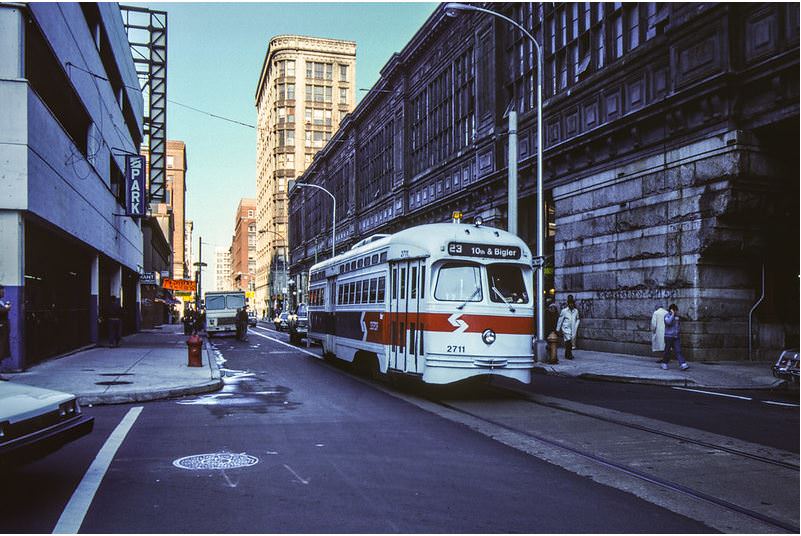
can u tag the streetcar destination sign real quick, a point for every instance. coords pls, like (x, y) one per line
(463, 249)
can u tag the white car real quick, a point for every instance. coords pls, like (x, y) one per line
(35, 422)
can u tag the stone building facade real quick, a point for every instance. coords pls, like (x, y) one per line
(670, 160)
(243, 247)
(306, 87)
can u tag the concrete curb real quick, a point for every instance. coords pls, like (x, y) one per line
(215, 383)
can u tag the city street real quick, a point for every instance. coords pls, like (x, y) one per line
(298, 444)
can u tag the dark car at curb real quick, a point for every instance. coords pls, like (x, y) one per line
(35, 422)
(298, 324)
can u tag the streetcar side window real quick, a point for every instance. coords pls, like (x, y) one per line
(394, 283)
(506, 283)
(403, 283)
(359, 292)
(381, 284)
(374, 290)
(413, 283)
(366, 291)
(459, 281)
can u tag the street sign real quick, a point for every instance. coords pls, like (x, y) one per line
(135, 185)
(179, 284)
(148, 278)
(250, 294)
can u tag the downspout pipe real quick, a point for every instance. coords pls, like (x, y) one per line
(751, 312)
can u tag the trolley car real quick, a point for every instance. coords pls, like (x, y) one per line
(443, 301)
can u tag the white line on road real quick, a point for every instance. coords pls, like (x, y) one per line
(286, 344)
(301, 480)
(713, 393)
(72, 517)
(772, 403)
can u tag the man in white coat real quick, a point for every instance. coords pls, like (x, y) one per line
(567, 325)
(658, 330)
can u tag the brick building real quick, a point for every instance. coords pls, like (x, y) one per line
(243, 247)
(670, 160)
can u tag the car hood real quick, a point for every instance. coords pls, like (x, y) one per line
(19, 402)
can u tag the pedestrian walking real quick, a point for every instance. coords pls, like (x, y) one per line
(672, 336)
(5, 309)
(242, 323)
(658, 330)
(567, 325)
(200, 320)
(114, 322)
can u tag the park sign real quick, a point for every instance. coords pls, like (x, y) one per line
(135, 185)
(179, 284)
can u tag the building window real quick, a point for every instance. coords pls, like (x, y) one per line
(319, 70)
(250, 215)
(343, 95)
(343, 73)
(170, 161)
(286, 68)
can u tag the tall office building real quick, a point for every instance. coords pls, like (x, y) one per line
(306, 87)
(222, 267)
(243, 246)
(176, 199)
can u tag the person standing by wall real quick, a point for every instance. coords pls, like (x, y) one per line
(672, 336)
(567, 325)
(658, 330)
(5, 309)
(114, 320)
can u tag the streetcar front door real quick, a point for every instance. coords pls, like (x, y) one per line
(406, 284)
(329, 322)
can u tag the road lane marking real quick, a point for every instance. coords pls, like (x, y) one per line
(297, 476)
(713, 393)
(287, 344)
(72, 517)
(772, 403)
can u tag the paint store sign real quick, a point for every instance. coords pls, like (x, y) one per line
(135, 184)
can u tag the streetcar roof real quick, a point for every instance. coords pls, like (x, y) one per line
(431, 239)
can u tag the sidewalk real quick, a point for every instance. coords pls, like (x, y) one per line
(644, 369)
(148, 365)
(152, 365)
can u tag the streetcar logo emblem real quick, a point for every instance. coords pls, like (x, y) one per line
(455, 321)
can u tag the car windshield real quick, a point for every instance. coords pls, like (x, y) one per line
(506, 283)
(215, 303)
(236, 301)
(284, 315)
(459, 281)
(301, 310)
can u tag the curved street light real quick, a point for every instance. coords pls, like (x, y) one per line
(452, 9)
(333, 217)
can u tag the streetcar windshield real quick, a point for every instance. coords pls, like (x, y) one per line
(459, 281)
(506, 283)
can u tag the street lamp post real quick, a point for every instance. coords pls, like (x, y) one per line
(451, 9)
(200, 264)
(333, 217)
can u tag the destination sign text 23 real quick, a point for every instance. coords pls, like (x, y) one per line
(463, 249)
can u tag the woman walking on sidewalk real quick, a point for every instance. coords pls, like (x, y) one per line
(672, 342)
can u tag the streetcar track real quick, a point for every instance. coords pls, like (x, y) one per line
(685, 439)
(673, 486)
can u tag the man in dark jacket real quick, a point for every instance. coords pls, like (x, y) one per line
(242, 323)
(114, 322)
(672, 335)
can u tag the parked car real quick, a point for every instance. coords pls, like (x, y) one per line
(298, 324)
(281, 321)
(253, 319)
(786, 366)
(35, 422)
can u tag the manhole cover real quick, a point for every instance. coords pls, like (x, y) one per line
(219, 460)
(112, 382)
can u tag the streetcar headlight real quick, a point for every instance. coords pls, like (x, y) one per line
(488, 336)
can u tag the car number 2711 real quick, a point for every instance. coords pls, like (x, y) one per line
(455, 349)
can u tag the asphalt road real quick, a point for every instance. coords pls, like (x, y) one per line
(335, 454)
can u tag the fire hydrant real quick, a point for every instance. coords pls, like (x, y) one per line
(195, 343)
(553, 345)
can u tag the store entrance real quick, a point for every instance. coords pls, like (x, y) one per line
(57, 288)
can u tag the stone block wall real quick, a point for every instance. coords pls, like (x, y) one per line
(665, 229)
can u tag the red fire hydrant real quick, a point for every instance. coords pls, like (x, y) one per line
(195, 343)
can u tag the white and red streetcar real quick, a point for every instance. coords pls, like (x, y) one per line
(444, 301)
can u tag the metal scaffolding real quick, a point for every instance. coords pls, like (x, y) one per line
(147, 34)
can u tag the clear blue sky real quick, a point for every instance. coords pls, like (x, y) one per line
(215, 54)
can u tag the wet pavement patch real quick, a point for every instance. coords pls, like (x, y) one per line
(215, 461)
